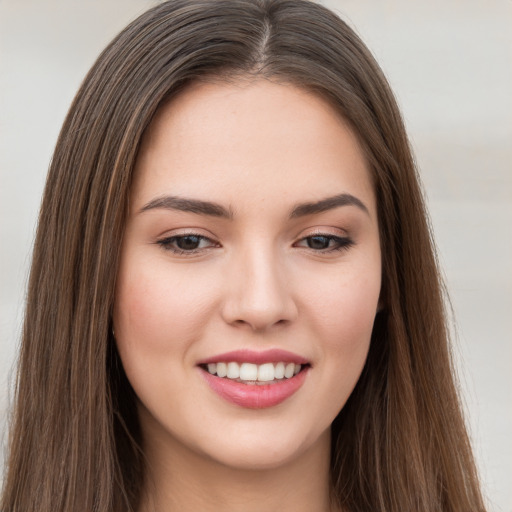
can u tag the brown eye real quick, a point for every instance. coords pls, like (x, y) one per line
(186, 244)
(325, 243)
(318, 242)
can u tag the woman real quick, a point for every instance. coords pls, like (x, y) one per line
(234, 301)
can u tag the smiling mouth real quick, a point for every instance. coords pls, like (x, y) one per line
(255, 374)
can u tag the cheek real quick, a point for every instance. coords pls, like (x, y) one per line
(156, 310)
(347, 305)
(342, 308)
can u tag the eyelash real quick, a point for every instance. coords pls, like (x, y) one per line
(166, 243)
(341, 243)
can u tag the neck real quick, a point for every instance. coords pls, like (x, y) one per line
(179, 479)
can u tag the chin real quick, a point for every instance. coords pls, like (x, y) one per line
(267, 452)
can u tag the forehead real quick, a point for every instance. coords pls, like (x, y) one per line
(227, 141)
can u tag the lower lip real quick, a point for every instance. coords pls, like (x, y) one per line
(255, 396)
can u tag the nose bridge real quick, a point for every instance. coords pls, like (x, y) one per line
(259, 294)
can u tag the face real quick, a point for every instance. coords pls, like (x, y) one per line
(250, 273)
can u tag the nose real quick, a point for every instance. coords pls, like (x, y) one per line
(258, 294)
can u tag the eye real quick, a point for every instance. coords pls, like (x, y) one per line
(325, 243)
(189, 243)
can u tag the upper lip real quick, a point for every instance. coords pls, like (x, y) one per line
(256, 357)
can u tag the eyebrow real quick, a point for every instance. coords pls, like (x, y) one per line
(188, 205)
(216, 210)
(326, 204)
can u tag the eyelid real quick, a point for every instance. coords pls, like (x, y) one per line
(323, 231)
(188, 230)
(166, 241)
(342, 240)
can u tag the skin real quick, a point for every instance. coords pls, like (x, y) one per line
(258, 149)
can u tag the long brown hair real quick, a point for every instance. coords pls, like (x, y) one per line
(400, 442)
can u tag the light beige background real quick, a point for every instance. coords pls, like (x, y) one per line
(450, 64)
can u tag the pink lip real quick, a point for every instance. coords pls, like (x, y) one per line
(254, 396)
(251, 356)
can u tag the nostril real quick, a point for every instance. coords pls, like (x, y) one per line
(260, 324)
(261, 303)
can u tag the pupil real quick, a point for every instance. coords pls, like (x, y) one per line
(188, 243)
(318, 242)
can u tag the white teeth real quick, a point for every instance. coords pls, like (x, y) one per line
(233, 371)
(279, 371)
(252, 373)
(249, 371)
(222, 369)
(266, 372)
(288, 371)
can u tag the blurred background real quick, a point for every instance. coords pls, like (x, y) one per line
(450, 65)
